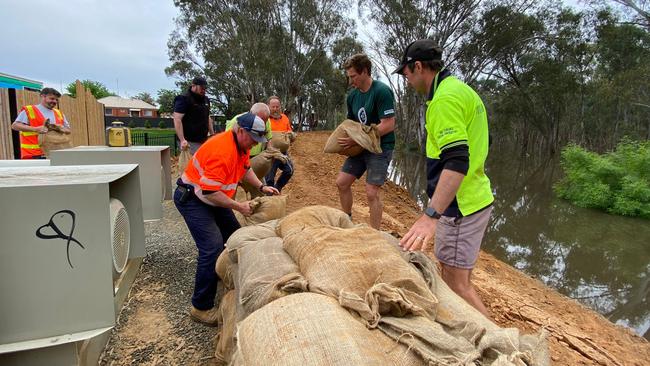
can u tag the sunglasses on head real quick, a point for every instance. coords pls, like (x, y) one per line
(258, 133)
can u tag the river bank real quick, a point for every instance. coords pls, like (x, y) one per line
(154, 328)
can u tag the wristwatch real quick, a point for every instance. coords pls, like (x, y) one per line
(261, 187)
(429, 211)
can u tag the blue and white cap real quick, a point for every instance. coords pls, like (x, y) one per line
(254, 125)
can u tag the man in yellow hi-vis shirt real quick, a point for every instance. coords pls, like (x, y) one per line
(457, 146)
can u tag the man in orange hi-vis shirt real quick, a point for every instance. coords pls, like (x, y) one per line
(279, 123)
(204, 198)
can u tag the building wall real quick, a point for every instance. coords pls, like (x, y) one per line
(124, 112)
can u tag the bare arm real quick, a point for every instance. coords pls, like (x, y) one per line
(386, 126)
(210, 126)
(446, 190)
(178, 126)
(424, 229)
(19, 126)
(222, 200)
(252, 179)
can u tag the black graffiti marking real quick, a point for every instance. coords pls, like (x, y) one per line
(59, 234)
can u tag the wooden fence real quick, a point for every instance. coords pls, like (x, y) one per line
(84, 113)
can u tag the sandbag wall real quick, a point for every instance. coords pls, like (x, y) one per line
(312, 288)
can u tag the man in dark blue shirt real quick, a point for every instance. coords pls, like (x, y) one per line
(192, 120)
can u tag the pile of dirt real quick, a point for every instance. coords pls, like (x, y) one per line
(154, 328)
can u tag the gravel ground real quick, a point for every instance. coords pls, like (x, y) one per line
(154, 326)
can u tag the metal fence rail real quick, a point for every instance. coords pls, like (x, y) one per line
(150, 139)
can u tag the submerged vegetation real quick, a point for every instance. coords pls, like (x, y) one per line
(617, 182)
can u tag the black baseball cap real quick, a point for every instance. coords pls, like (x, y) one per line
(420, 50)
(199, 80)
(254, 125)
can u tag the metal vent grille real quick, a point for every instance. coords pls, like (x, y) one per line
(120, 235)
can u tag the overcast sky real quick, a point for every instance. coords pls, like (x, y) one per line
(120, 43)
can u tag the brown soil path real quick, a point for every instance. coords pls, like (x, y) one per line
(154, 328)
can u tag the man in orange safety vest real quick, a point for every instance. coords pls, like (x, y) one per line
(31, 122)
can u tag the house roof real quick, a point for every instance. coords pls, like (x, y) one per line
(119, 102)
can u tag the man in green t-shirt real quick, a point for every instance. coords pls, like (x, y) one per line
(370, 102)
(457, 146)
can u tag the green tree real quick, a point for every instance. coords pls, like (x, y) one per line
(145, 97)
(97, 89)
(250, 50)
(165, 100)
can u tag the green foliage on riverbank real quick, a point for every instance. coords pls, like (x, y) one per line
(617, 182)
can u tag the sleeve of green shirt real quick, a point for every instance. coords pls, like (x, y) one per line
(230, 123)
(386, 103)
(449, 124)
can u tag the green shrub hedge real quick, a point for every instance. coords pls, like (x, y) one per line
(617, 182)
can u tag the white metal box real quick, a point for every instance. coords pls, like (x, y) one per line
(56, 266)
(154, 162)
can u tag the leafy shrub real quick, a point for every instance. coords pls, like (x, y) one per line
(617, 182)
(147, 124)
(131, 124)
(162, 124)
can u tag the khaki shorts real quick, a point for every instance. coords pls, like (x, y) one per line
(458, 239)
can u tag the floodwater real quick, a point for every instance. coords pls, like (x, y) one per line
(599, 259)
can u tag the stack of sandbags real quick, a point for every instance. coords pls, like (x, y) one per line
(265, 208)
(367, 138)
(313, 288)
(282, 141)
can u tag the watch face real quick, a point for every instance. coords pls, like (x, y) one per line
(431, 213)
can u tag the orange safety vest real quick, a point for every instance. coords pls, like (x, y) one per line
(217, 165)
(281, 124)
(29, 147)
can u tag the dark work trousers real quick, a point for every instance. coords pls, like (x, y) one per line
(287, 172)
(210, 227)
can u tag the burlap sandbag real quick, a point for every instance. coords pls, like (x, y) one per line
(249, 235)
(184, 159)
(265, 208)
(241, 195)
(311, 329)
(366, 136)
(224, 270)
(495, 345)
(313, 216)
(281, 141)
(261, 165)
(54, 140)
(266, 273)
(225, 343)
(362, 270)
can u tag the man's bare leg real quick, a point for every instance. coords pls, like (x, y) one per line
(374, 202)
(344, 184)
(458, 279)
